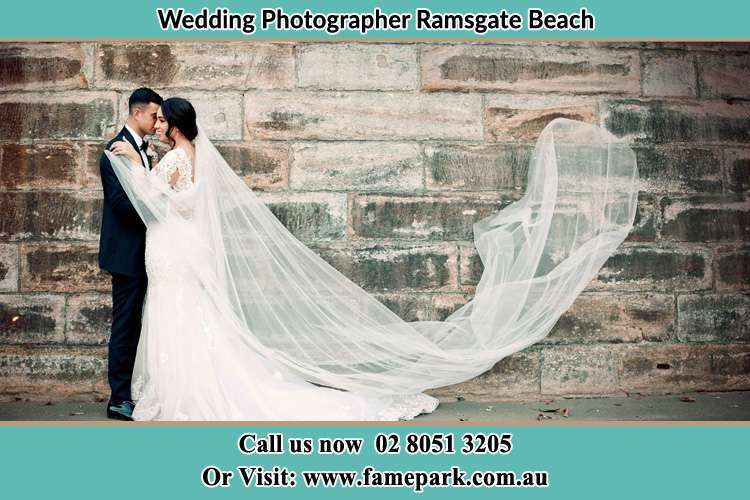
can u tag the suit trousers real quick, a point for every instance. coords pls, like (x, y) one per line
(128, 293)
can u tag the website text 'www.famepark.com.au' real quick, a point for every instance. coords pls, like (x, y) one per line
(383, 444)
(370, 477)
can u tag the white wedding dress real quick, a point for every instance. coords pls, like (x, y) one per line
(186, 368)
(244, 322)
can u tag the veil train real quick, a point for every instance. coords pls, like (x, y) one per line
(291, 306)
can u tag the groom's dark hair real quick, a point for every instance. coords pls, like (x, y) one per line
(141, 97)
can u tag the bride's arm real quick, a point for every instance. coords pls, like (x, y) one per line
(170, 173)
(168, 169)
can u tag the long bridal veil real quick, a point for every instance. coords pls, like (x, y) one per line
(291, 306)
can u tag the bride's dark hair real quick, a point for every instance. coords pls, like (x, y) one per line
(180, 113)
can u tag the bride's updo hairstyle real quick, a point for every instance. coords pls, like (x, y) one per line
(180, 114)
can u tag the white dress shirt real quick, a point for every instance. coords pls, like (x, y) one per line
(139, 141)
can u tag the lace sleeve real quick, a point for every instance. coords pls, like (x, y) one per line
(175, 170)
(175, 173)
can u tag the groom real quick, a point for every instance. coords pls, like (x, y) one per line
(122, 247)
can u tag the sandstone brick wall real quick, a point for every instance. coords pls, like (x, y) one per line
(381, 156)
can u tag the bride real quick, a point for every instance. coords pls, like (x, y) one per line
(243, 322)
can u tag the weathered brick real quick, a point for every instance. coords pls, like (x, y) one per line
(362, 116)
(545, 68)
(521, 118)
(423, 306)
(52, 372)
(13, 207)
(431, 217)
(630, 268)
(513, 377)
(656, 368)
(738, 170)
(309, 216)
(470, 268)
(705, 219)
(90, 177)
(37, 66)
(32, 319)
(209, 66)
(39, 166)
(262, 166)
(57, 215)
(668, 74)
(477, 167)
(360, 166)
(579, 370)
(378, 267)
(59, 267)
(8, 268)
(605, 317)
(357, 66)
(60, 363)
(75, 115)
(705, 318)
(219, 113)
(665, 122)
(88, 319)
(644, 225)
(724, 74)
(650, 268)
(680, 170)
(733, 268)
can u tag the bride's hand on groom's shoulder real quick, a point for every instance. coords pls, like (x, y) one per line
(124, 148)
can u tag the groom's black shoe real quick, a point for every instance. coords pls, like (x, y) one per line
(120, 411)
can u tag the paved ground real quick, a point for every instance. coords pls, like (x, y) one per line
(689, 406)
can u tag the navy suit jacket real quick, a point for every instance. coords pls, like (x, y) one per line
(122, 243)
